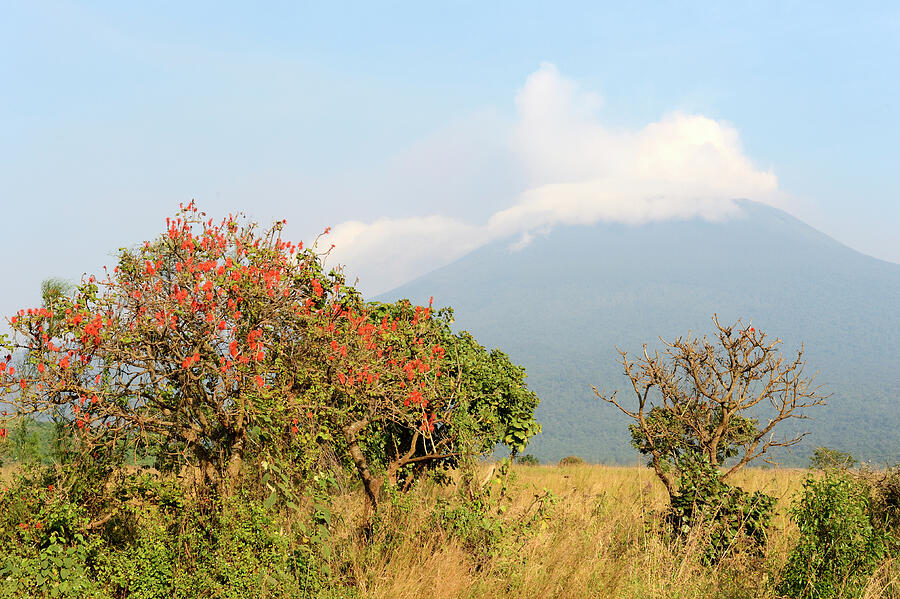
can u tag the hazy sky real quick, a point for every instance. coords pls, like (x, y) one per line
(421, 130)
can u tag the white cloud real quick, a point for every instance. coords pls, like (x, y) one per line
(574, 170)
(389, 252)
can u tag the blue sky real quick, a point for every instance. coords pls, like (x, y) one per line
(456, 121)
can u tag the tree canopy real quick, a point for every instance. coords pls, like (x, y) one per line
(220, 340)
(702, 399)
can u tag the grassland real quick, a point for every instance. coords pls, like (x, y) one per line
(565, 532)
(599, 539)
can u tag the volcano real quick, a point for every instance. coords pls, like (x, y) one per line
(563, 304)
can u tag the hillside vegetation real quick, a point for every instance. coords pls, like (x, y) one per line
(563, 305)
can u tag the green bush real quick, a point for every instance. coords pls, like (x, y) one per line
(527, 460)
(146, 537)
(478, 516)
(43, 549)
(730, 517)
(839, 545)
(824, 458)
(572, 460)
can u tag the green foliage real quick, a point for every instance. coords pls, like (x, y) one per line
(54, 289)
(824, 458)
(728, 517)
(675, 441)
(500, 403)
(28, 441)
(572, 460)
(527, 460)
(475, 516)
(149, 537)
(493, 404)
(196, 412)
(839, 545)
(42, 541)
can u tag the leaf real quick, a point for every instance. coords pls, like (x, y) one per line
(270, 500)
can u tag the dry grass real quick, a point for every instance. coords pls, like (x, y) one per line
(595, 544)
(8, 473)
(601, 538)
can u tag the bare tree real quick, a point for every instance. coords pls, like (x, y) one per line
(695, 400)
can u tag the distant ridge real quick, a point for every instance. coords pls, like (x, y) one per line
(562, 305)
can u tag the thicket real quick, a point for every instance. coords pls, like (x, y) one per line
(848, 523)
(210, 397)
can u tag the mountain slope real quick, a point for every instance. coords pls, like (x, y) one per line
(562, 305)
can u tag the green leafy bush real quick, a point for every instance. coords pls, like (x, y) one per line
(479, 515)
(151, 537)
(572, 460)
(839, 544)
(730, 517)
(824, 458)
(43, 548)
(527, 460)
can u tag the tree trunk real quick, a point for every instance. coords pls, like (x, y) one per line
(233, 468)
(371, 484)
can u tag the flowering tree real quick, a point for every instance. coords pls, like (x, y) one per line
(485, 399)
(219, 340)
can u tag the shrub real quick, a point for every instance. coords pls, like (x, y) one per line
(42, 542)
(824, 458)
(839, 545)
(730, 517)
(527, 460)
(156, 541)
(479, 516)
(572, 460)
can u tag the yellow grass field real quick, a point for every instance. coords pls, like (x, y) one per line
(595, 543)
(600, 537)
